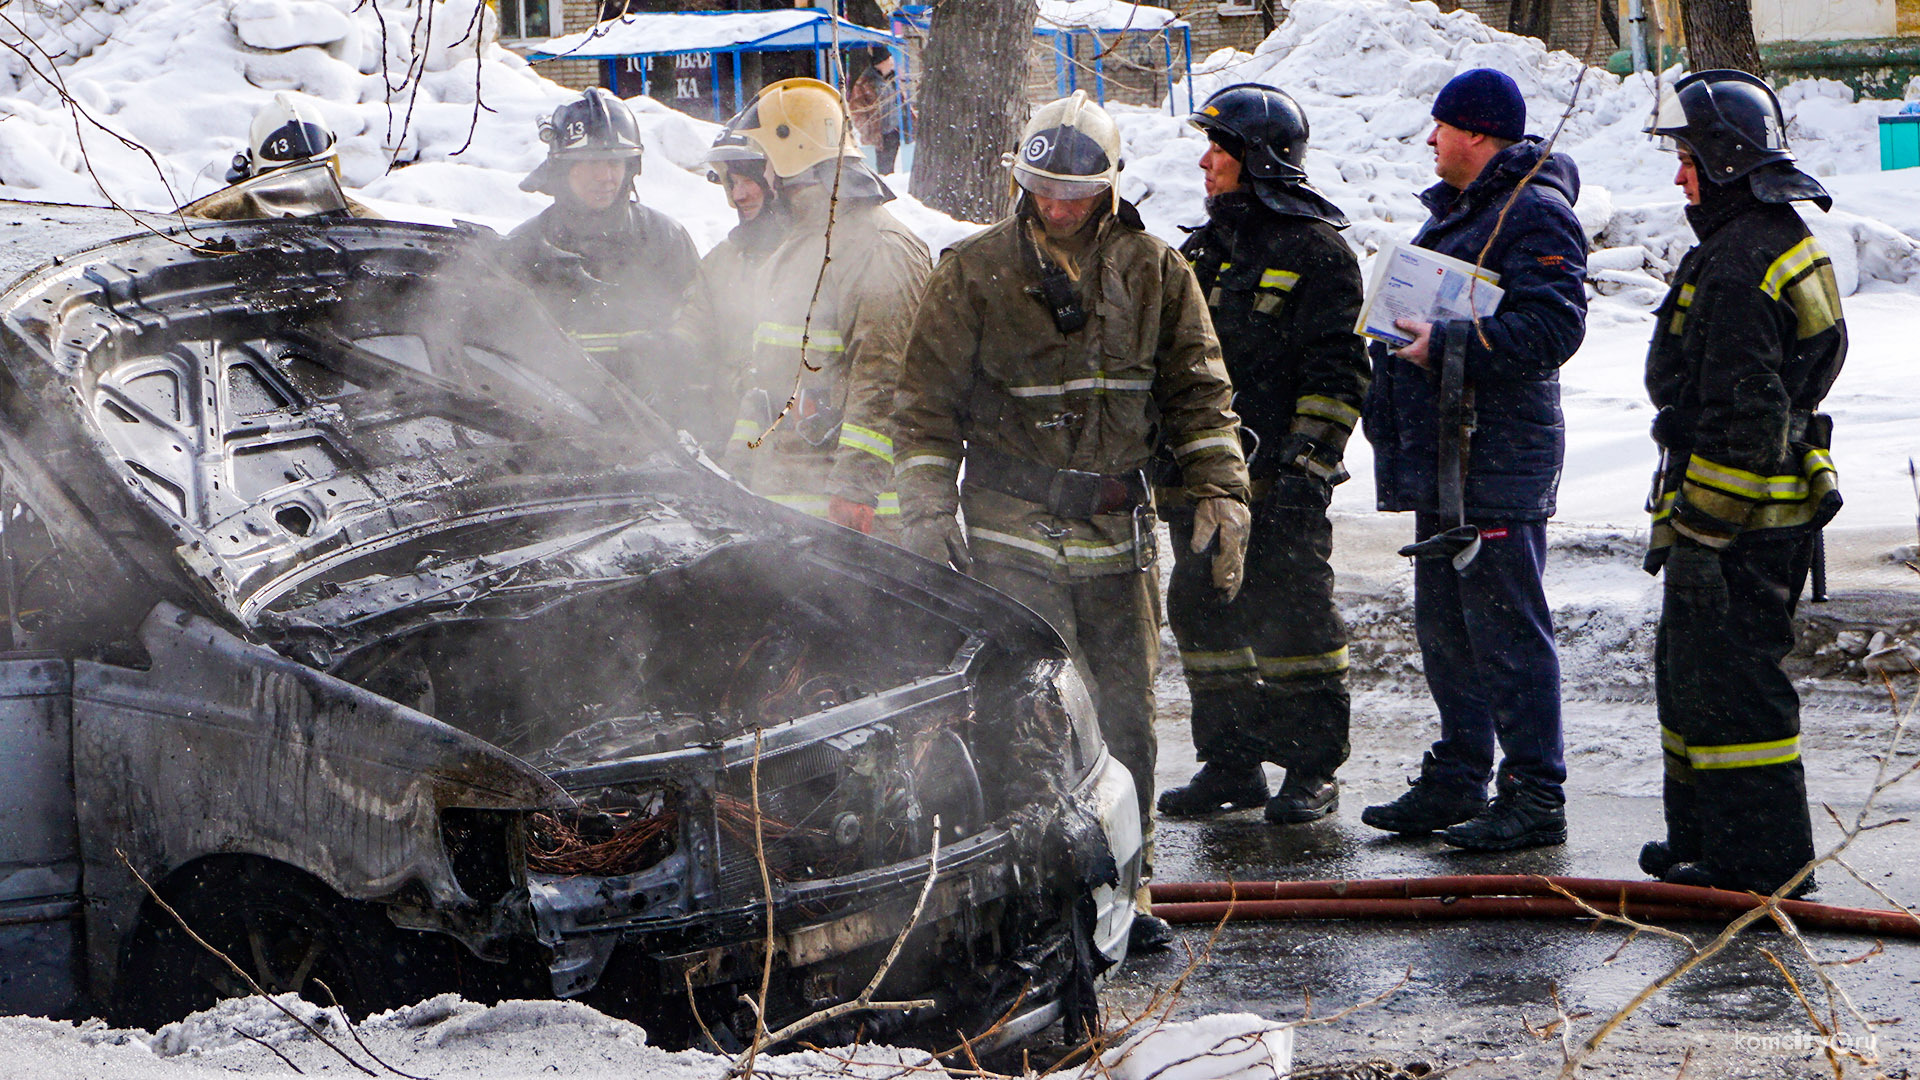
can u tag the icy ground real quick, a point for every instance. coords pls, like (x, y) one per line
(435, 129)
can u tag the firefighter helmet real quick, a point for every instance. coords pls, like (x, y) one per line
(798, 123)
(285, 132)
(1070, 149)
(1263, 128)
(596, 126)
(1732, 125)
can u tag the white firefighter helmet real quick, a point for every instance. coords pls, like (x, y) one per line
(798, 123)
(1069, 150)
(286, 132)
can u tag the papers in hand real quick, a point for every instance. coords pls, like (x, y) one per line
(1414, 283)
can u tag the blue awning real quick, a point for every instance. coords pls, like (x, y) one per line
(674, 33)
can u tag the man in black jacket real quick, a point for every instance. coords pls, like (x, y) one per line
(610, 269)
(1485, 632)
(1266, 669)
(1745, 347)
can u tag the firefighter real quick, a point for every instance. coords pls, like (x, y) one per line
(827, 346)
(1050, 352)
(714, 334)
(610, 269)
(1745, 346)
(1483, 489)
(1266, 672)
(290, 168)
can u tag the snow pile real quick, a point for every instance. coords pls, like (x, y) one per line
(442, 1036)
(1367, 71)
(1225, 1046)
(435, 119)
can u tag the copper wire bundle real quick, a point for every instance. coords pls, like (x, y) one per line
(555, 846)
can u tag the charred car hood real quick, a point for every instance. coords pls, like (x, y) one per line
(371, 410)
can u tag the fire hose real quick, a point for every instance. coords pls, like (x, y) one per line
(1495, 896)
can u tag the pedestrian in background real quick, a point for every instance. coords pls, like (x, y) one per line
(1266, 670)
(1485, 632)
(878, 108)
(1748, 342)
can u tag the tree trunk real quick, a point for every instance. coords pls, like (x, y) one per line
(973, 104)
(1720, 35)
(1534, 18)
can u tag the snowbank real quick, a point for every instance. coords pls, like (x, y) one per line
(447, 1036)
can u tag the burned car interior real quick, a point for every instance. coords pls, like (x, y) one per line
(398, 645)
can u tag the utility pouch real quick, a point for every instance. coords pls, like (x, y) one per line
(1062, 300)
(1075, 494)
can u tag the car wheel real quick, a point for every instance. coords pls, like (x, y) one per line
(287, 931)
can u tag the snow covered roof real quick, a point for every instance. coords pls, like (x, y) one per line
(1106, 16)
(699, 31)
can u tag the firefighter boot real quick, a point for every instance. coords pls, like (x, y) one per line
(1523, 814)
(1703, 876)
(1214, 788)
(1429, 804)
(1303, 797)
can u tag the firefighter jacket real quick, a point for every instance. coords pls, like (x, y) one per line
(613, 280)
(1284, 292)
(990, 367)
(1519, 444)
(713, 337)
(832, 344)
(1745, 346)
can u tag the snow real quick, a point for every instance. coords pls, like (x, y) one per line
(1103, 15)
(448, 1037)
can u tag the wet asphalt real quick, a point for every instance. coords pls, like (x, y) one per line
(1470, 991)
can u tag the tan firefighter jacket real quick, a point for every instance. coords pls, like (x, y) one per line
(713, 335)
(837, 437)
(988, 366)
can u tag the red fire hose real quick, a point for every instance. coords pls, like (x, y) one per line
(1494, 896)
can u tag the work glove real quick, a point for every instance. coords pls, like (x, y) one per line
(938, 539)
(1230, 521)
(849, 514)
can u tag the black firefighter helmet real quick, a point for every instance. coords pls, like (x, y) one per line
(1266, 132)
(1730, 121)
(597, 126)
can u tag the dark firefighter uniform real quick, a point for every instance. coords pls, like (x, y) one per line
(1745, 346)
(1265, 671)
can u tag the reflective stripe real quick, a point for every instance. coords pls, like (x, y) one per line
(1207, 440)
(1745, 755)
(1798, 260)
(930, 461)
(1681, 305)
(1329, 409)
(1284, 280)
(1240, 659)
(1098, 383)
(1672, 742)
(1070, 553)
(784, 336)
(1816, 301)
(889, 504)
(1292, 667)
(1747, 485)
(745, 431)
(860, 438)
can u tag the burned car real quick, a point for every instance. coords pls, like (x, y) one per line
(356, 614)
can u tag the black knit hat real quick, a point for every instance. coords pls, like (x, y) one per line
(1483, 100)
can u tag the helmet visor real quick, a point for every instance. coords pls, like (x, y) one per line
(1057, 187)
(1671, 117)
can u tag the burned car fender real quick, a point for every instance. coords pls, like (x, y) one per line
(224, 747)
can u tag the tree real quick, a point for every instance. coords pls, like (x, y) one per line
(973, 104)
(1720, 35)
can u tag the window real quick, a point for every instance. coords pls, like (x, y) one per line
(525, 19)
